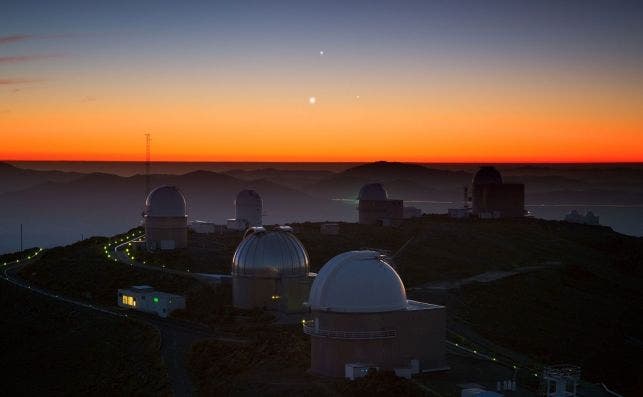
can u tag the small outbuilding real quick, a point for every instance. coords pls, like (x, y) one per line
(145, 298)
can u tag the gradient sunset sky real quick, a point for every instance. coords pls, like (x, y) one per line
(423, 81)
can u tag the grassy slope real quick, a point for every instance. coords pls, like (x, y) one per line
(441, 248)
(560, 316)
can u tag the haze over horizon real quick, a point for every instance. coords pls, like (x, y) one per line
(324, 82)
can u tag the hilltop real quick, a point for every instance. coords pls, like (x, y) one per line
(549, 302)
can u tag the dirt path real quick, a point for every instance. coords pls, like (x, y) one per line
(485, 277)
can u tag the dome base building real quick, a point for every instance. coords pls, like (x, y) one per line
(284, 294)
(166, 220)
(388, 341)
(166, 233)
(360, 315)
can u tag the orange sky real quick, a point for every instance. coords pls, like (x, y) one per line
(444, 123)
(421, 82)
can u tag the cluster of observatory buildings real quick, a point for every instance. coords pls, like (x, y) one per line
(166, 220)
(356, 309)
(353, 330)
(490, 198)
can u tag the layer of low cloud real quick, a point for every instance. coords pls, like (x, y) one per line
(13, 81)
(14, 38)
(27, 58)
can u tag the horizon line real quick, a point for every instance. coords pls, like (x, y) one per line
(319, 162)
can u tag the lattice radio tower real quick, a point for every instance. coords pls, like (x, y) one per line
(148, 140)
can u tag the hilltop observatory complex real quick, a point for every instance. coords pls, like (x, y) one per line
(375, 208)
(248, 211)
(270, 270)
(494, 199)
(166, 220)
(361, 319)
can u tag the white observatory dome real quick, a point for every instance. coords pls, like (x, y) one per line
(487, 175)
(372, 191)
(165, 201)
(274, 253)
(357, 282)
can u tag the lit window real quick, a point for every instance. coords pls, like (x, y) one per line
(129, 300)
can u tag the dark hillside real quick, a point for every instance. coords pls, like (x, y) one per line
(50, 348)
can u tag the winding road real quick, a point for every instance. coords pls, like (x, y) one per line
(176, 336)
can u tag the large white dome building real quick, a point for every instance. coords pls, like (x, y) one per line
(360, 316)
(270, 270)
(165, 219)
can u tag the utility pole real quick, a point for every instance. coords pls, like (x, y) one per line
(21, 237)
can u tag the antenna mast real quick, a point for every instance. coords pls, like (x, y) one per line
(148, 140)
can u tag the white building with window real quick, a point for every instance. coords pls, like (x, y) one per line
(145, 298)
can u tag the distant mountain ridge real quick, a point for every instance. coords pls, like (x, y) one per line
(401, 180)
(13, 178)
(58, 207)
(98, 204)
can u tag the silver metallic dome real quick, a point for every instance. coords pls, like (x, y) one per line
(357, 282)
(165, 201)
(373, 191)
(274, 253)
(487, 175)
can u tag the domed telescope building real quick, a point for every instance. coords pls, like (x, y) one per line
(248, 210)
(270, 271)
(375, 208)
(494, 199)
(166, 220)
(360, 318)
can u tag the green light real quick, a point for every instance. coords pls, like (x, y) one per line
(156, 300)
